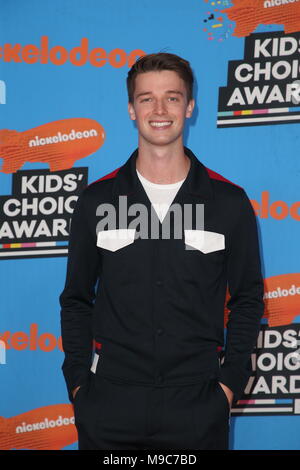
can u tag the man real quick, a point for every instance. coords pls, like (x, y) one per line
(155, 379)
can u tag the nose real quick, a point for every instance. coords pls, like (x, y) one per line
(160, 107)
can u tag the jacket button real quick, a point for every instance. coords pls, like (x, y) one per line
(160, 331)
(159, 378)
(158, 283)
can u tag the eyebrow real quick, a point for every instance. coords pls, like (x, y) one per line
(168, 91)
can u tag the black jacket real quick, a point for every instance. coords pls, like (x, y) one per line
(154, 309)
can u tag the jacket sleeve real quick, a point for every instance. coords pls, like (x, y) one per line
(246, 305)
(76, 299)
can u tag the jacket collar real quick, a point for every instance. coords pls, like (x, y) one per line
(196, 183)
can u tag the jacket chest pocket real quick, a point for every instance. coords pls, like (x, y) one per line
(114, 240)
(204, 241)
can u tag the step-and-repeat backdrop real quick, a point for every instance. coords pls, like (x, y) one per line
(64, 123)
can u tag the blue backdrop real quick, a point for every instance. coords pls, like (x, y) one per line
(39, 88)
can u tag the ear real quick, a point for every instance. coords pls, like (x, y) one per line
(131, 111)
(190, 108)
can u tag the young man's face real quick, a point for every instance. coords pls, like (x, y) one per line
(160, 107)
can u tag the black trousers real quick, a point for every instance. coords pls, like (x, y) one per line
(113, 415)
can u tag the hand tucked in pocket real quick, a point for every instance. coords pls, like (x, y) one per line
(228, 392)
(75, 391)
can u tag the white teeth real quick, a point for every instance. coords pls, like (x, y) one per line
(160, 124)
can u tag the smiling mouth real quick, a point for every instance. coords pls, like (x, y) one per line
(160, 124)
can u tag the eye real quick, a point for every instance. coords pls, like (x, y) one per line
(173, 98)
(145, 99)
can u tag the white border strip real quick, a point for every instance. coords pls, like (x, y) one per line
(45, 244)
(36, 252)
(279, 110)
(264, 402)
(267, 119)
(263, 410)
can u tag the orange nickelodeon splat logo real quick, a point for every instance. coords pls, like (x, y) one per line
(250, 14)
(58, 143)
(278, 210)
(46, 428)
(282, 299)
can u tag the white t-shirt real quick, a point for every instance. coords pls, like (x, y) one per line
(160, 195)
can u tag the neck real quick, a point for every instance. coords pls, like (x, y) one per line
(162, 165)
